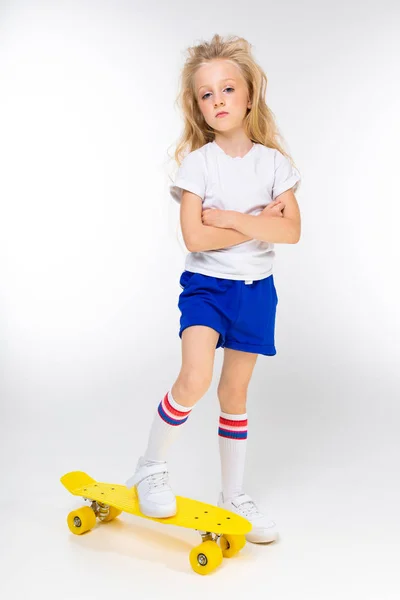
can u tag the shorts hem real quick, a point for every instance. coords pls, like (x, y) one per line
(197, 323)
(267, 350)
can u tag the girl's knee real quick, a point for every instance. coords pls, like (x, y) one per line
(189, 388)
(232, 400)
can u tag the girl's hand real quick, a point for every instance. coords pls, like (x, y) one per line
(274, 209)
(217, 217)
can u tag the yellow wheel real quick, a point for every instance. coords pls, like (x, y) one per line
(81, 520)
(206, 557)
(113, 512)
(231, 544)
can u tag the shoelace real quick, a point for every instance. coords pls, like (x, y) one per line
(249, 509)
(158, 480)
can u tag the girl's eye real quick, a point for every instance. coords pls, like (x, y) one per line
(228, 88)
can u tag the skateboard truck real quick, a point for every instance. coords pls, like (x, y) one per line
(208, 535)
(100, 509)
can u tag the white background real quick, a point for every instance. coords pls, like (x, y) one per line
(89, 284)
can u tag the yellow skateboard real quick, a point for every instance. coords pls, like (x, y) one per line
(213, 523)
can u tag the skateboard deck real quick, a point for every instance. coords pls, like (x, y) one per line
(213, 523)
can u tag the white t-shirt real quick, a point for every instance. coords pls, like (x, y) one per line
(244, 184)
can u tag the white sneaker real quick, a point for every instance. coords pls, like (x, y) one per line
(156, 498)
(263, 530)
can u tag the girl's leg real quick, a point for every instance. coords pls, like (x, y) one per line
(232, 394)
(198, 352)
(236, 373)
(156, 498)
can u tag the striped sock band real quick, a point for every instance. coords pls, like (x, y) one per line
(233, 426)
(171, 412)
(167, 424)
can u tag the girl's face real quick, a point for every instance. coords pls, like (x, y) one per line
(219, 85)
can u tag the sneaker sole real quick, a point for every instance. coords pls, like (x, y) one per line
(158, 513)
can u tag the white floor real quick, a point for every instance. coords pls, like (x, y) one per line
(331, 482)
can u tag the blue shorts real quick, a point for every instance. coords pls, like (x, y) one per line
(242, 313)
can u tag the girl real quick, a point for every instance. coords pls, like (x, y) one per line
(228, 187)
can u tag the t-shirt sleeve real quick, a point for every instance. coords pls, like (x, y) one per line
(190, 176)
(286, 176)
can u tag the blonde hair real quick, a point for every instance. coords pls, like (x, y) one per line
(259, 123)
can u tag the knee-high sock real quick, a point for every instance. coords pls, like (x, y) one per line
(167, 424)
(232, 437)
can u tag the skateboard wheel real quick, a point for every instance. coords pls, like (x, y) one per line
(112, 513)
(81, 520)
(231, 544)
(206, 557)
